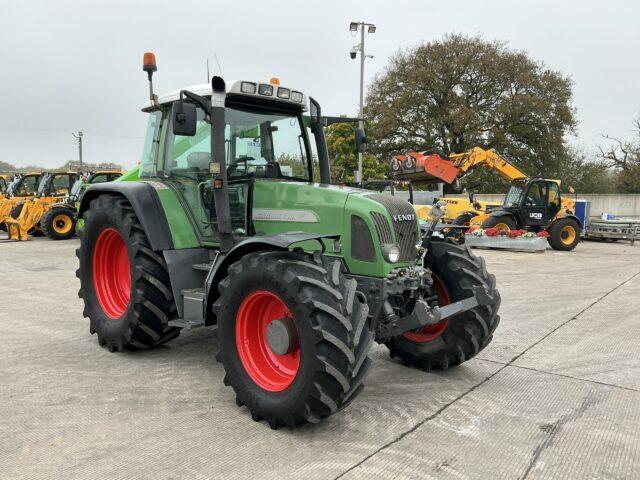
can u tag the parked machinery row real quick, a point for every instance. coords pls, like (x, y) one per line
(46, 203)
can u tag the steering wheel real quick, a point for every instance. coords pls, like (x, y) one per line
(233, 166)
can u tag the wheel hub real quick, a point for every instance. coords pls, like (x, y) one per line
(281, 336)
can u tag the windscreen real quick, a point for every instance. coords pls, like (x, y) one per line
(257, 144)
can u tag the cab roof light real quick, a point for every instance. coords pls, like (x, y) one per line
(284, 93)
(274, 81)
(149, 62)
(248, 87)
(265, 89)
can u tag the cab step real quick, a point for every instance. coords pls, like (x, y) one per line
(194, 303)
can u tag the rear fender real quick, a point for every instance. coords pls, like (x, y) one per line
(145, 202)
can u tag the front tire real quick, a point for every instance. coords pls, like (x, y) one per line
(457, 339)
(59, 223)
(564, 234)
(330, 334)
(124, 284)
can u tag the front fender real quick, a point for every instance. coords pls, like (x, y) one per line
(258, 243)
(146, 204)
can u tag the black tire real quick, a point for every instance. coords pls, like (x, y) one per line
(52, 216)
(463, 219)
(497, 220)
(144, 322)
(465, 334)
(334, 331)
(558, 238)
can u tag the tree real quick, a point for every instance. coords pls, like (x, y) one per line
(460, 92)
(343, 158)
(624, 157)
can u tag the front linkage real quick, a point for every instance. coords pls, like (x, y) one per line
(415, 284)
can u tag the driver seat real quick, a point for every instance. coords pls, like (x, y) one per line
(199, 160)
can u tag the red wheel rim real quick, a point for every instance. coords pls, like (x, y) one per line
(270, 371)
(111, 273)
(430, 333)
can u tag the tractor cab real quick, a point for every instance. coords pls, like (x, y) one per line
(536, 201)
(264, 135)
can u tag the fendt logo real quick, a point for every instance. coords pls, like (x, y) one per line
(410, 217)
(535, 215)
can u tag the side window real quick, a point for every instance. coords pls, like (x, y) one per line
(554, 195)
(536, 196)
(28, 186)
(100, 178)
(190, 152)
(60, 185)
(151, 142)
(288, 147)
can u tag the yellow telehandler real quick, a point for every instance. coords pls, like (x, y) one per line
(21, 189)
(52, 188)
(531, 203)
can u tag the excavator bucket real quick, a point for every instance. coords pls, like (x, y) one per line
(423, 167)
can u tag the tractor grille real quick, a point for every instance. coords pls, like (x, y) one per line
(404, 229)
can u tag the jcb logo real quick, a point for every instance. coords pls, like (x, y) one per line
(535, 215)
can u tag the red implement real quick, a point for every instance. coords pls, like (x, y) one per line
(418, 167)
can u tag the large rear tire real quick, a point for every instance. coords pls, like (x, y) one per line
(124, 284)
(59, 223)
(453, 340)
(564, 234)
(328, 336)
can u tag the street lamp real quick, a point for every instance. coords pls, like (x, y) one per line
(78, 137)
(371, 28)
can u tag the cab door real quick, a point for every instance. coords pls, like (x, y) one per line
(533, 210)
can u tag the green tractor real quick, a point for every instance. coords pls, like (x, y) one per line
(225, 227)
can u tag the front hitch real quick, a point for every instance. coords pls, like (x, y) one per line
(424, 316)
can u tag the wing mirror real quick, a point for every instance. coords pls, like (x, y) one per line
(183, 118)
(361, 140)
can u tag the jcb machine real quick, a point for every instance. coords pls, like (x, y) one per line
(21, 189)
(52, 188)
(59, 221)
(225, 227)
(532, 204)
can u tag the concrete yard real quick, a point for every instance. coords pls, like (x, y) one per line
(555, 395)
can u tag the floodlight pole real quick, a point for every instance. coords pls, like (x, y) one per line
(360, 124)
(79, 138)
(361, 26)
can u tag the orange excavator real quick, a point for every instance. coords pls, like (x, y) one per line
(531, 203)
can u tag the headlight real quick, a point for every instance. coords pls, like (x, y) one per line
(391, 253)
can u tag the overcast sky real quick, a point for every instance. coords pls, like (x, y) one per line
(76, 65)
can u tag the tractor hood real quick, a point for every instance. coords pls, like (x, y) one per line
(280, 207)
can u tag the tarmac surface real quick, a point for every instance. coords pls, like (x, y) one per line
(555, 395)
